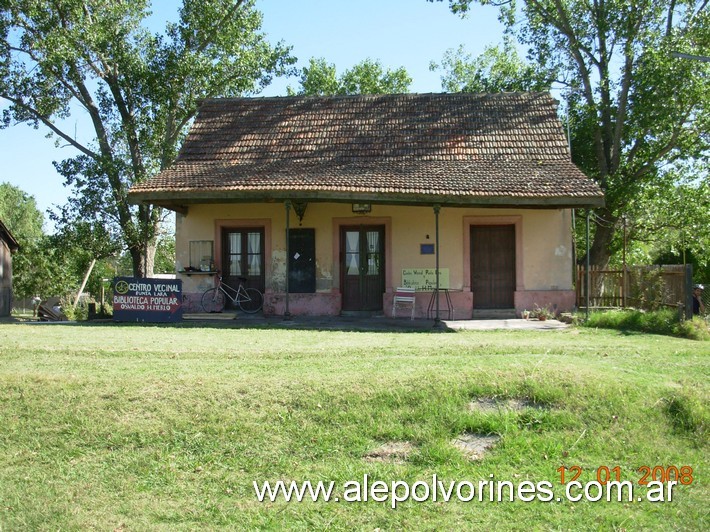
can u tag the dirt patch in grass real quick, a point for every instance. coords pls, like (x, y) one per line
(393, 452)
(475, 446)
(490, 405)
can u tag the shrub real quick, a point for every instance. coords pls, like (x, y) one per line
(657, 322)
(78, 313)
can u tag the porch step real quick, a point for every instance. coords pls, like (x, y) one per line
(494, 314)
(362, 313)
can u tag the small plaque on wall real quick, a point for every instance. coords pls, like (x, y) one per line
(426, 249)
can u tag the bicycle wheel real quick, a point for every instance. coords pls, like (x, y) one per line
(213, 300)
(251, 300)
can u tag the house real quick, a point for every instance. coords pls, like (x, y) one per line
(374, 192)
(8, 245)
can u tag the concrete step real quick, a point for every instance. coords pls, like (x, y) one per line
(494, 314)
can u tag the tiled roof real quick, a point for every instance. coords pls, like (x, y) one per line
(454, 148)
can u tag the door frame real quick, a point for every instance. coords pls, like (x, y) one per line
(515, 220)
(493, 244)
(356, 221)
(364, 279)
(312, 267)
(237, 223)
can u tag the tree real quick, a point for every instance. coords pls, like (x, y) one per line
(19, 212)
(139, 90)
(495, 70)
(669, 221)
(636, 111)
(49, 265)
(367, 77)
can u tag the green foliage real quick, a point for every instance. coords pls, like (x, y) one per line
(19, 213)
(542, 313)
(495, 70)
(41, 269)
(670, 217)
(165, 254)
(54, 265)
(366, 77)
(665, 322)
(32, 271)
(139, 91)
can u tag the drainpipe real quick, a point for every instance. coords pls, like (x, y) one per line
(287, 204)
(586, 272)
(437, 208)
(623, 274)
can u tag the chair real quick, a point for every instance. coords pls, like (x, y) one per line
(403, 296)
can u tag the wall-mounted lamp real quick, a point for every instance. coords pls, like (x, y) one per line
(299, 207)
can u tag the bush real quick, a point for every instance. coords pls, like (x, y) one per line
(78, 313)
(657, 322)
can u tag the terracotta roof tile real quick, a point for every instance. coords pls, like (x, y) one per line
(461, 145)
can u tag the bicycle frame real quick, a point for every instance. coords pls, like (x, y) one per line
(249, 300)
(239, 292)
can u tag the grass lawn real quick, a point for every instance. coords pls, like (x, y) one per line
(139, 427)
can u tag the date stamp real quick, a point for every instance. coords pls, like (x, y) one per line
(682, 475)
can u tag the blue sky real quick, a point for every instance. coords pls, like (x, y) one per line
(408, 33)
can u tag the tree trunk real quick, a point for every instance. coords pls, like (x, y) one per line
(143, 259)
(601, 246)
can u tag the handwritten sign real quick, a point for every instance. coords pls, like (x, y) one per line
(147, 300)
(424, 278)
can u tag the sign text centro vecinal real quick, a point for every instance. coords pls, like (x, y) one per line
(147, 300)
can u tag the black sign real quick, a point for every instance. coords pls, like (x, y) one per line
(147, 300)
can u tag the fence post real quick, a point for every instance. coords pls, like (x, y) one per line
(688, 291)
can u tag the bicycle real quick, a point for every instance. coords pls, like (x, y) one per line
(250, 300)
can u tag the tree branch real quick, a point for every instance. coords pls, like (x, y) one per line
(128, 120)
(669, 18)
(650, 164)
(45, 120)
(621, 111)
(576, 50)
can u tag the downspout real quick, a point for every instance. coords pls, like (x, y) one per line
(437, 320)
(287, 204)
(586, 273)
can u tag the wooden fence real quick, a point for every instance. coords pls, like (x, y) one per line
(647, 287)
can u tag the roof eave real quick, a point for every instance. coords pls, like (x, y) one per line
(179, 200)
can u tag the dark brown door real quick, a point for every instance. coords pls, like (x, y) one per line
(302, 261)
(362, 265)
(243, 256)
(493, 266)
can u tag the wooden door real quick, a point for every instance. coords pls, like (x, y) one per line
(302, 261)
(362, 267)
(243, 256)
(493, 266)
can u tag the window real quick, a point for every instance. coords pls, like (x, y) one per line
(243, 255)
(202, 255)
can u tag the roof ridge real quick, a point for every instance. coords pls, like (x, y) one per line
(404, 95)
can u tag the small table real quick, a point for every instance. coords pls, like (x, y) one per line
(431, 310)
